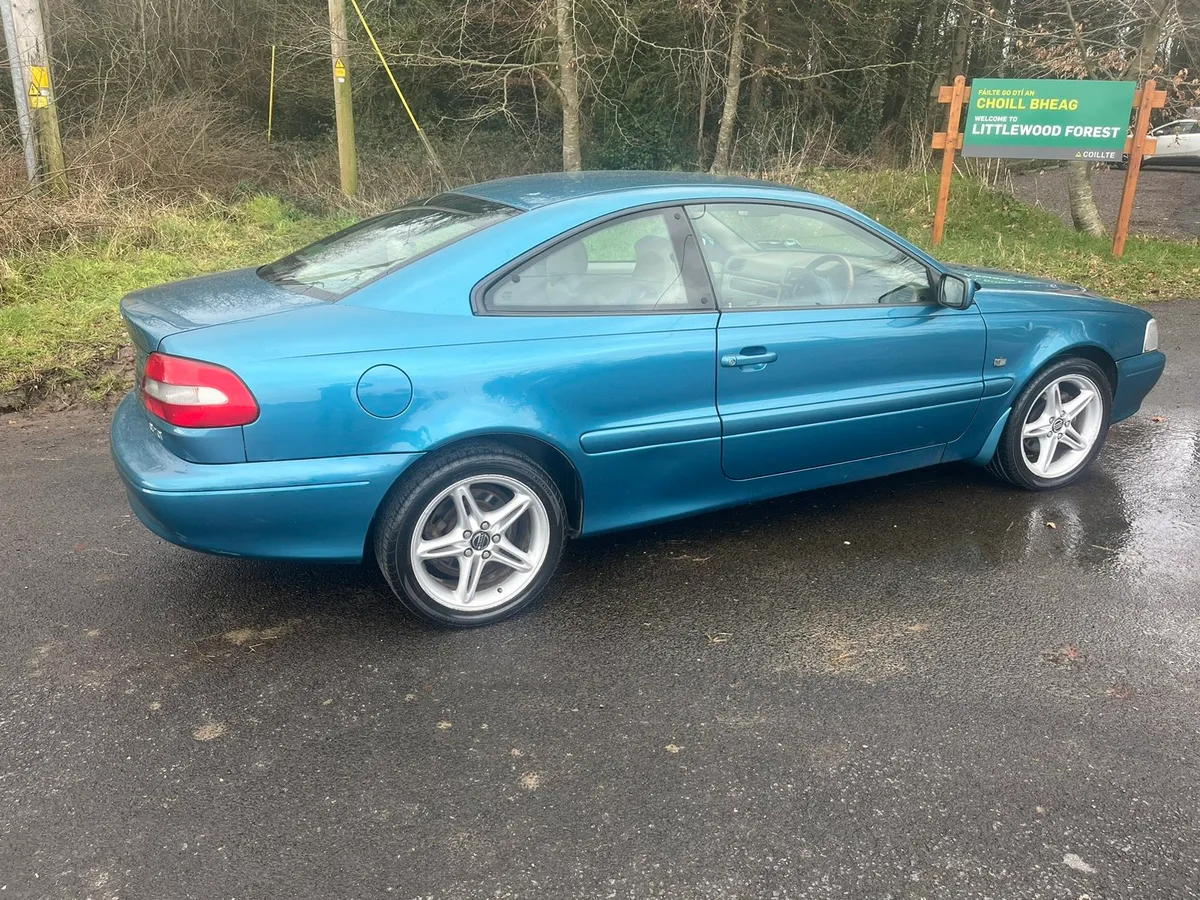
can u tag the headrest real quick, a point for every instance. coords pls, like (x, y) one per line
(570, 259)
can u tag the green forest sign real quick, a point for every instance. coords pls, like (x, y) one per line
(1030, 118)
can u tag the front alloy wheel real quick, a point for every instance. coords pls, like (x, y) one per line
(1062, 426)
(1056, 427)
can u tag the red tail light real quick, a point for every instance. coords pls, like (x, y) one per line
(194, 394)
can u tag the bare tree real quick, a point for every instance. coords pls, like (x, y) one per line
(1097, 39)
(568, 83)
(733, 87)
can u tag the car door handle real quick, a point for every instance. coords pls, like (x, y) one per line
(751, 358)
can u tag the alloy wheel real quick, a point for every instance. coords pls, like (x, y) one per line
(480, 542)
(1062, 426)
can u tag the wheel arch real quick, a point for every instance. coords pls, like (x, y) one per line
(1091, 352)
(553, 459)
(996, 455)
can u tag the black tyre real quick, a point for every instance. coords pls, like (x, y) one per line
(1057, 426)
(471, 536)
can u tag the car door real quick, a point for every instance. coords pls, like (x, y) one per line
(1173, 140)
(618, 337)
(1189, 140)
(831, 346)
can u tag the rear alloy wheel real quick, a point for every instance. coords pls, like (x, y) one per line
(472, 536)
(1057, 426)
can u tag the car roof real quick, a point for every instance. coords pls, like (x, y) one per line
(533, 191)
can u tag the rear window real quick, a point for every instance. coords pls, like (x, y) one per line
(335, 266)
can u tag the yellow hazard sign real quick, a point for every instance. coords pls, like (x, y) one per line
(339, 70)
(39, 87)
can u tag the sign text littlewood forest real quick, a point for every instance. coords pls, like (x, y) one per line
(1048, 119)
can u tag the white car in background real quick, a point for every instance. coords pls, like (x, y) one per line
(1178, 143)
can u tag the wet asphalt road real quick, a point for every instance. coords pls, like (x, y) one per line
(912, 687)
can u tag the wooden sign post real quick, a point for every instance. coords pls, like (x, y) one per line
(1034, 125)
(1148, 97)
(948, 142)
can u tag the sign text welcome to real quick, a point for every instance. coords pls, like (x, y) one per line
(1048, 119)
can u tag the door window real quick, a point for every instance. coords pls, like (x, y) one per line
(1174, 129)
(631, 265)
(768, 255)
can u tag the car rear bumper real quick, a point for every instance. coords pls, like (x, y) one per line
(1136, 377)
(315, 509)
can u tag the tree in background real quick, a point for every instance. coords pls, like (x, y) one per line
(1098, 40)
(733, 87)
(693, 84)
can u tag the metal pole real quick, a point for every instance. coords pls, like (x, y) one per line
(34, 53)
(344, 109)
(20, 91)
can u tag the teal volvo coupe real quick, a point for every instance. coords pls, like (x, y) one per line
(456, 387)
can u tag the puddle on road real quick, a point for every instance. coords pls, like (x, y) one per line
(1004, 576)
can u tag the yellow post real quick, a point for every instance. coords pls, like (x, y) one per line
(343, 108)
(271, 98)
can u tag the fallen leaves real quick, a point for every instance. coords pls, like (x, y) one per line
(672, 748)
(210, 732)
(1076, 862)
(1120, 692)
(1068, 656)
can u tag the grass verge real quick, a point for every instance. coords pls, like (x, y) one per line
(60, 333)
(59, 326)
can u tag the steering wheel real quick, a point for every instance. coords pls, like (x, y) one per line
(842, 280)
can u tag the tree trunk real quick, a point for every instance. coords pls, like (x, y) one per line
(962, 42)
(568, 84)
(1151, 37)
(758, 63)
(1084, 213)
(733, 87)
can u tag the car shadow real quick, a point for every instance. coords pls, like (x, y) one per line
(940, 519)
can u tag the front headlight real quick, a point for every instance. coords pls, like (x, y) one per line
(1150, 342)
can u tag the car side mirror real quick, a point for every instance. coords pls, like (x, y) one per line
(954, 292)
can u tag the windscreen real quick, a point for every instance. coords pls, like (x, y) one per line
(766, 228)
(342, 263)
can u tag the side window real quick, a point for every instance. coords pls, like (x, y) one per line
(630, 265)
(767, 255)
